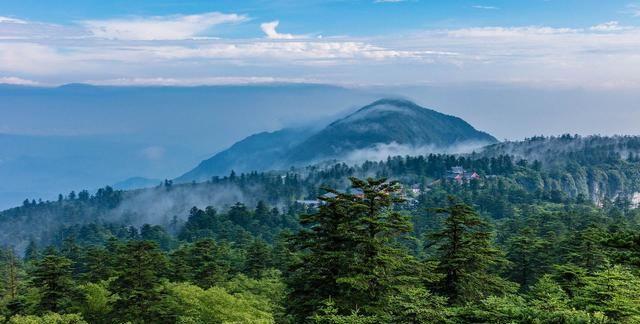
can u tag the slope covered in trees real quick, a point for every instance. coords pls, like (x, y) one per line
(363, 256)
(506, 183)
(508, 240)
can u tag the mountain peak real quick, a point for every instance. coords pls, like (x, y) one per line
(386, 103)
(388, 121)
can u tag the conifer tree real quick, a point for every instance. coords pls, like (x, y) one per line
(467, 257)
(209, 263)
(52, 277)
(97, 264)
(349, 252)
(614, 291)
(31, 253)
(528, 256)
(12, 281)
(140, 265)
(258, 258)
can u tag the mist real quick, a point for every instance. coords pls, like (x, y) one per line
(382, 151)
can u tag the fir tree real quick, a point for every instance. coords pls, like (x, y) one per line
(349, 252)
(528, 256)
(140, 265)
(467, 257)
(258, 258)
(52, 277)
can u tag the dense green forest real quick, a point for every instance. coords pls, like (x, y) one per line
(563, 169)
(524, 240)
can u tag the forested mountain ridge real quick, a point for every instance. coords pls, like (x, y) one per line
(576, 148)
(593, 166)
(505, 183)
(401, 124)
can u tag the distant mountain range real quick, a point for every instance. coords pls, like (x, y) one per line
(387, 126)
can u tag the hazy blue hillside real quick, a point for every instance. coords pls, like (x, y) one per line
(82, 137)
(256, 152)
(136, 183)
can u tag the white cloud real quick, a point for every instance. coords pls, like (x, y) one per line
(174, 27)
(269, 29)
(601, 55)
(485, 7)
(31, 58)
(608, 26)
(17, 81)
(9, 20)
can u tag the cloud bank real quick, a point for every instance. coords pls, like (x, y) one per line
(182, 49)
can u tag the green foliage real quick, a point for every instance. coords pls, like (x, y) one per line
(529, 257)
(258, 258)
(51, 318)
(466, 257)
(416, 305)
(328, 314)
(192, 304)
(205, 263)
(95, 302)
(614, 291)
(349, 251)
(52, 277)
(356, 258)
(270, 288)
(138, 285)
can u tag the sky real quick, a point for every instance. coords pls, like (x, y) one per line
(541, 43)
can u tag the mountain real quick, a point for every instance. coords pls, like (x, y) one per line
(401, 124)
(387, 121)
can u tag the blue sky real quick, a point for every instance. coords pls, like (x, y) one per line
(353, 17)
(358, 42)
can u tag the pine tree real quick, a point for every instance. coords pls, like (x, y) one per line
(528, 256)
(467, 257)
(31, 253)
(349, 252)
(585, 248)
(614, 291)
(9, 268)
(12, 283)
(209, 263)
(258, 258)
(97, 264)
(71, 250)
(52, 277)
(140, 265)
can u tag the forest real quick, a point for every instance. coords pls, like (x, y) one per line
(396, 241)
